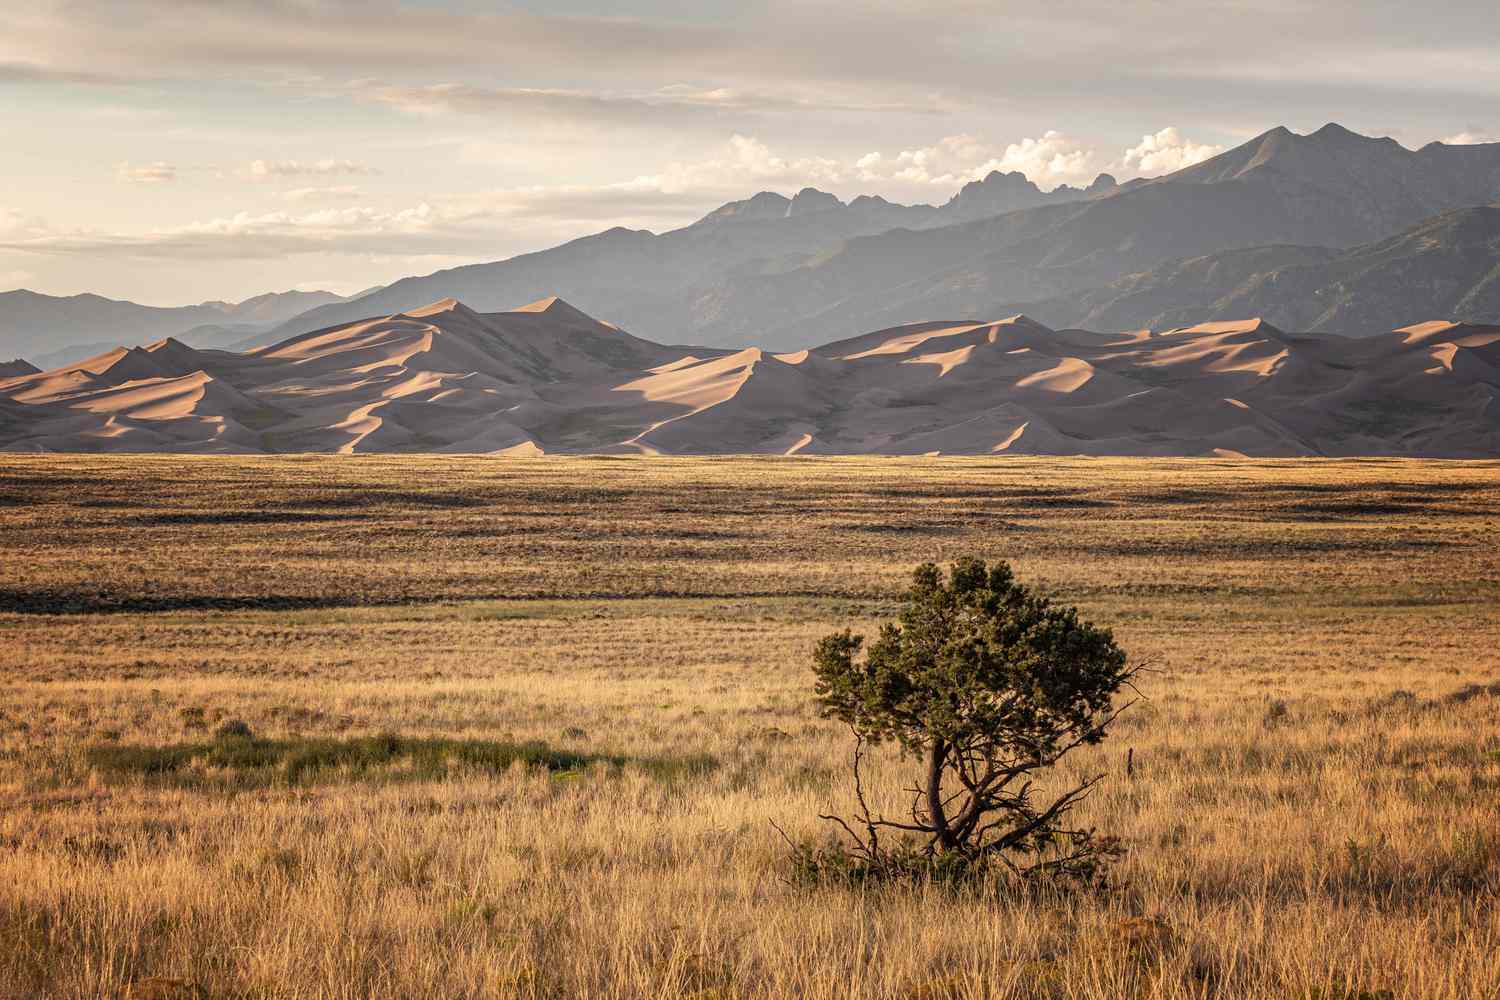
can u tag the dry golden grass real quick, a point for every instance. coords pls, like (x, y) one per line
(1315, 810)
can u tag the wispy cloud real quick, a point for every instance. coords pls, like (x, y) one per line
(28, 72)
(337, 192)
(245, 235)
(477, 223)
(276, 169)
(672, 105)
(159, 172)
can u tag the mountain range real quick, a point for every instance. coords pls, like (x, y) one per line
(1326, 232)
(1448, 265)
(64, 328)
(779, 273)
(548, 378)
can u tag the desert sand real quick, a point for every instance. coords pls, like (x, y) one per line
(546, 378)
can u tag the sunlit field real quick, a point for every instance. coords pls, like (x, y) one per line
(521, 728)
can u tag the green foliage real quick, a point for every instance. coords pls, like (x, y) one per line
(245, 762)
(980, 656)
(986, 683)
(234, 729)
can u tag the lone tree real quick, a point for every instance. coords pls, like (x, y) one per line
(986, 684)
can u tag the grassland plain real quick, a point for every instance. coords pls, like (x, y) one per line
(1314, 810)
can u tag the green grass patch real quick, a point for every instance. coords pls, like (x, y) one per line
(245, 763)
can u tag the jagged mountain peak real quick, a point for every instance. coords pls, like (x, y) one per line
(810, 200)
(761, 206)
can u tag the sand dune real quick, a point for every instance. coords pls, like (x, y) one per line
(1068, 375)
(546, 378)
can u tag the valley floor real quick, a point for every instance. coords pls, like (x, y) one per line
(1314, 810)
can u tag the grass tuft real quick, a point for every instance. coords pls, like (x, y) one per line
(239, 762)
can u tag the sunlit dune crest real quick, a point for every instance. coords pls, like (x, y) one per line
(1069, 375)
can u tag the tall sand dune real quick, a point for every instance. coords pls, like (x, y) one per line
(546, 378)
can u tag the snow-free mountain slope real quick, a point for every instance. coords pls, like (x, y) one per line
(779, 273)
(1445, 266)
(40, 325)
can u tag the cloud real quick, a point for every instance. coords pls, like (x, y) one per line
(483, 223)
(25, 72)
(745, 160)
(674, 105)
(1047, 162)
(270, 169)
(146, 173)
(13, 223)
(1467, 138)
(347, 192)
(418, 229)
(15, 279)
(474, 224)
(1163, 152)
(950, 161)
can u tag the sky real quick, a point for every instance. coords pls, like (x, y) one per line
(177, 151)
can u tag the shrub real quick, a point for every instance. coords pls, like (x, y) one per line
(234, 729)
(985, 684)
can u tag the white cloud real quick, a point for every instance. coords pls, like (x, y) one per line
(1164, 152)
(1053, 159)
(337, 192)
(1467, 138)
(744, 160)
(950, 161)
(146, 173)
(269, 169)
(475, 223)
(481, 224)
(1047, 162)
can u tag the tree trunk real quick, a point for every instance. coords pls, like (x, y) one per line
(935, 758)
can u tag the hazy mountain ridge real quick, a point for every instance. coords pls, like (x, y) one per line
(37, 324)
(662, 282)
(765, 272)
(548, 378)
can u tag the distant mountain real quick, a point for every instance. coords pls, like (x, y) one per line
(665, 282)
(39, 324)
(20, 366)
(548, 378)
(778, 272)
(1445, 266)
(1328, 189)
